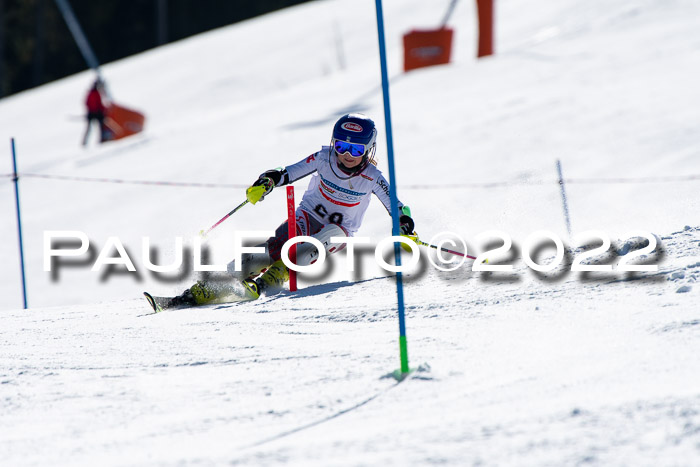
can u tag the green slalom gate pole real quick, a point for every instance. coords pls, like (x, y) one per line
(403, 343)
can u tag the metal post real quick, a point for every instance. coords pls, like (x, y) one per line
(161, 22)
(563, 198)
(339, 49)
(78, 35)
(40, 43)
(15, 178)
(450, 10)
(403, 345)
(2, 48)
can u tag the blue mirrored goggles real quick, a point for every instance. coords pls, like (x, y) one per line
(354, 149)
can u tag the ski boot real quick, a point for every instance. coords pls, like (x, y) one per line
(201, 292)
(162, 303)
(273, 279)
(186, 298)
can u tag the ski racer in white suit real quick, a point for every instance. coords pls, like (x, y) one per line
(344, 178)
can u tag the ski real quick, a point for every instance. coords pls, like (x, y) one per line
(187, 300)
(157, 303)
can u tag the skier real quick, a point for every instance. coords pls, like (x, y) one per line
(95, 110)
(334, 204)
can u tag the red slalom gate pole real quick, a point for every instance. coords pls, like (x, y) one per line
(292, 231)
(485, 13)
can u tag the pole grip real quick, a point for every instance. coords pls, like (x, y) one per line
(292, 232)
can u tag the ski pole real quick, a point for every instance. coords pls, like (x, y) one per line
(204, 234)
(446, 250)
(253, 194)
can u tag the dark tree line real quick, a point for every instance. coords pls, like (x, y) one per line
(36, 46)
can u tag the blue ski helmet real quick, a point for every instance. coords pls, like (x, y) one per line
(355, 133)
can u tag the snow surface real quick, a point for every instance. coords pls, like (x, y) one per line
(513, 368)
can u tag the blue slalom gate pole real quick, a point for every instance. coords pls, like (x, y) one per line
(15, 178)
(403, 344)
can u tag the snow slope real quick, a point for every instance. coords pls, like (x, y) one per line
(511, 368)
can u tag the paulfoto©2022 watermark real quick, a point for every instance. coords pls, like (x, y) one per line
(590, 246)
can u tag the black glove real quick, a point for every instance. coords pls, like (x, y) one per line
(267, 182)
(277, 176)
(407, 224)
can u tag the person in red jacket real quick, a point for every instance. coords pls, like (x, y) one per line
(95, 111)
